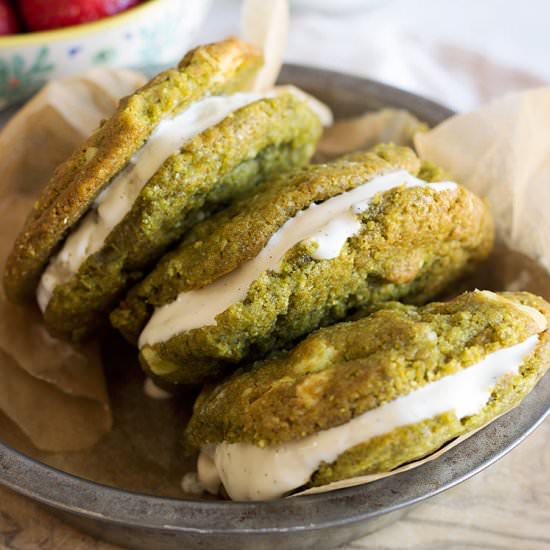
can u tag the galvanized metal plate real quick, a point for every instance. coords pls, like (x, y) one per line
(315, 521)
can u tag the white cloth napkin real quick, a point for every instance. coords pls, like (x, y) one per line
(459, 53)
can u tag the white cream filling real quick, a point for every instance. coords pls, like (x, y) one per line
(150, 389)
(253, 473)
(330, 224)
(191, 485)
(117, 199)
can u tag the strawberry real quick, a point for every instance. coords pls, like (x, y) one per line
(40, 15)
(8, 19)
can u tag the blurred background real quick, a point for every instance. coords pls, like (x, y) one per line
(460, 53)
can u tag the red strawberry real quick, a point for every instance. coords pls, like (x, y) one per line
(40, 15)
(8, 19)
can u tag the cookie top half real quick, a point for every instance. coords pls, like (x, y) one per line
(219, 68)
(345, 370)
(224, 242)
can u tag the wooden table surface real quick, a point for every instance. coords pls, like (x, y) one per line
(505, 507)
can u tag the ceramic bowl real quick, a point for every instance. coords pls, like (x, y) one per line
(156, 32)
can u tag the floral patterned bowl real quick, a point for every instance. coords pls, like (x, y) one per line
(156, 32)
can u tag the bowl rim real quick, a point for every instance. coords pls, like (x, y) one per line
(101, 503)
(79, 31)
(78, 496)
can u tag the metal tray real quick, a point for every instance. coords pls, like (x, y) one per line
(315, 521)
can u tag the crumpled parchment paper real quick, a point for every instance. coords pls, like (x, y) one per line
(387, 125)
(265, 24)
(502, 152)
(53, 391)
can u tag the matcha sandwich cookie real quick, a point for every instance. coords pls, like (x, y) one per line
(181, 147)
(364, 397)
(303, 251)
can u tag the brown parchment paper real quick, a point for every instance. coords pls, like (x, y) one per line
(55, 393)
(142, 452)
(502, 152)
(265, 24)
(387, 125)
